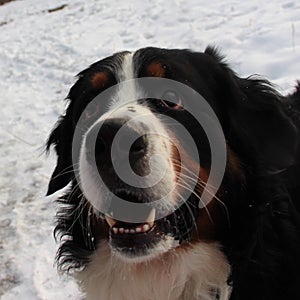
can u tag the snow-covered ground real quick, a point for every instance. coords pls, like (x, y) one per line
(41, 52)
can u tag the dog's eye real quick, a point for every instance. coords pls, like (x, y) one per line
(172, 100)
(92, 111)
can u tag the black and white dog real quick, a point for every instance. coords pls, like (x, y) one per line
(244, 244)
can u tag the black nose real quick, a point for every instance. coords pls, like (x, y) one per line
(104, 134)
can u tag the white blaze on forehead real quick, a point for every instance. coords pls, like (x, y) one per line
(126, 72)
(128, 111)
(128, 90)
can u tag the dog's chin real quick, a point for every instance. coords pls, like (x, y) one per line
(135, 243)
(140, 254)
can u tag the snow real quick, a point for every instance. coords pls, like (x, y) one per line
(39, 55)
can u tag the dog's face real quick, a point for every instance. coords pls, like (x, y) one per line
(124, 146)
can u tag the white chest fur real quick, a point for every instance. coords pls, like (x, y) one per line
(181, 274)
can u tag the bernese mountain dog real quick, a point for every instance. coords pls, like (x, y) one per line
(119, 147)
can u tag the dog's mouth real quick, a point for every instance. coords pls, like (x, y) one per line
(137, 240)
(123, 228)
(133, 240)
(141, 240)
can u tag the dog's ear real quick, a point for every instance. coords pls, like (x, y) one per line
(258, 124)
(61, 136)
(61, 139)
(263, 126)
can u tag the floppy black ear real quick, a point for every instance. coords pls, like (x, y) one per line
(61, 138)
(261, 124)
(258, 124)
(62, 135)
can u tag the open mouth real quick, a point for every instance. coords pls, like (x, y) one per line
(137, 240)
(118, 227)
(133, 240)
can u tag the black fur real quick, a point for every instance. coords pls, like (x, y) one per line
(261, 127)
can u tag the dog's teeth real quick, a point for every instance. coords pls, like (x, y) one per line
(151, 217)
(111, 222)
(139, 229)
(146, 227)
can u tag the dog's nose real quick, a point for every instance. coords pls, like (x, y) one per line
(104, 134)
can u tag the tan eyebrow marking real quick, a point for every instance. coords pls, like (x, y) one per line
(99, 80)
(156, 69)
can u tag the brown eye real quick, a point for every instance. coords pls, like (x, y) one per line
(172, 100)
(92, 111)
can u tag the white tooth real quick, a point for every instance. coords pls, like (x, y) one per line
(121, 230)
(126, 230)
(151, 224)
(132, 231)
(146, 227)
(115, 230)
(151, 217)
(138, 229)
(111, 222)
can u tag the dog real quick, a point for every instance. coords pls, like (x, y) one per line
(242, 244)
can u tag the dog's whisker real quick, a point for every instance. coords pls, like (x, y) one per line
(204, 186)
(187, 187)
(68, 170)
(193, 175)
(186, 203)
